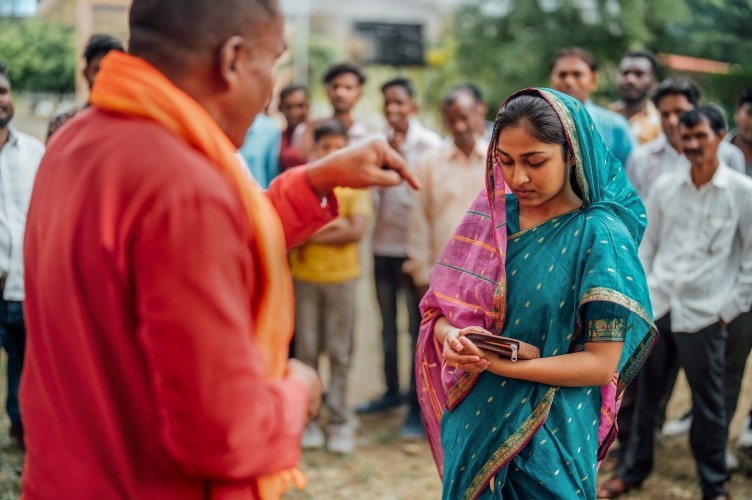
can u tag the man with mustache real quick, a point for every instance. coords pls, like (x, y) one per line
(19, 158)
(697, 252)
(673, 98)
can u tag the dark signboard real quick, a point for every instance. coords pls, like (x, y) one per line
(392, 43)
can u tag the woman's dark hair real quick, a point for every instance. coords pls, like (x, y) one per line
(539, 119)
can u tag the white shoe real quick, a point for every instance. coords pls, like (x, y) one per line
(677, 427)
(341, 440)
(745, 438)
(732, 461)
(313, 437)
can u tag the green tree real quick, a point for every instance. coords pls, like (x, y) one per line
(504, 45)
(508, 44)
(40, 56)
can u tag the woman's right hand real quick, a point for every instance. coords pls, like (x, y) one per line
(461, 353)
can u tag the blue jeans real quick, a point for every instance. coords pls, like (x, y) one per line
(13, 339)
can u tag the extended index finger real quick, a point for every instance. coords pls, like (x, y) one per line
(394, 161)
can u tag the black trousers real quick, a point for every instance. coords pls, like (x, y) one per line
(738, 346)
(13, 339)
(702, 355)
(390, 280)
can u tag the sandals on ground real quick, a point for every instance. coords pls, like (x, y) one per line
(614, 487)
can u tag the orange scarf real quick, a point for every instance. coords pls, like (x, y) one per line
(131, 86)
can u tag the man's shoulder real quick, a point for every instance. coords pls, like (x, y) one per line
(666, 182)
(616, 107)
(140, 154)
(642, 152)
(739, 180)
(424, 136)
(29, 143)
(731, 155)
(442, 152)
(61, 119)
(265, 124)
(614, 119)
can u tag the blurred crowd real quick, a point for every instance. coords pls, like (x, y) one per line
(644, 132)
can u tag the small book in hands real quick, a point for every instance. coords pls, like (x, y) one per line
(510, 348)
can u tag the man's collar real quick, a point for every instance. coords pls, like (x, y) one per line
(478, 150)
(668, 146)
(730, 136)
(721, 178)
(12, 136)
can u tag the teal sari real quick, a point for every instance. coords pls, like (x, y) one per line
(565, 282)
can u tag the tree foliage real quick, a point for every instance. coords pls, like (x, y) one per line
(505, 45)
(40, 56)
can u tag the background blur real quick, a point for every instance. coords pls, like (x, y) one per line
(501, 45)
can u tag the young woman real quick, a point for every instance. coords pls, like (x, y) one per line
(554, 264)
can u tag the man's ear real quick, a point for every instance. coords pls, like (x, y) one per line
(232, 55)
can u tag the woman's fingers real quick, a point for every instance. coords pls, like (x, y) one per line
(469, 348)
(454, 358)
(476, 367)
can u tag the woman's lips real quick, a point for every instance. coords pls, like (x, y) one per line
(520, 193)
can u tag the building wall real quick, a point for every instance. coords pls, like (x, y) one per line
(89, 17)
(333, 17)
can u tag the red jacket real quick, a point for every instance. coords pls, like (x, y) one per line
(142, 378)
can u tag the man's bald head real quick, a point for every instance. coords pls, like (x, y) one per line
(179, 32)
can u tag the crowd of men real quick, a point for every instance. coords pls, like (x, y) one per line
(691, 171)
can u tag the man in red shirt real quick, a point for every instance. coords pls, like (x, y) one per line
(294, 104)
(159, 302)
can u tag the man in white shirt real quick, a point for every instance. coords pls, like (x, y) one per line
(451, 176)
(19, 158)
(673, 98)
(393, 205)
(697, 252)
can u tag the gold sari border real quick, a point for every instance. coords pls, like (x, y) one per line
(511, 446)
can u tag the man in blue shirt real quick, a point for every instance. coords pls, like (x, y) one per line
(574, 71)
(261, 149)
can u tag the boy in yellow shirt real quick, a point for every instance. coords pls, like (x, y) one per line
(325, 270)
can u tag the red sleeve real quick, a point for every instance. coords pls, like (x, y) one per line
(219, 418)
(298, 206)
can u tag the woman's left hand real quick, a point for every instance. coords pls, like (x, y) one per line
(461, 353)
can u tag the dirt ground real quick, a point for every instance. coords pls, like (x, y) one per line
(386, 468)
